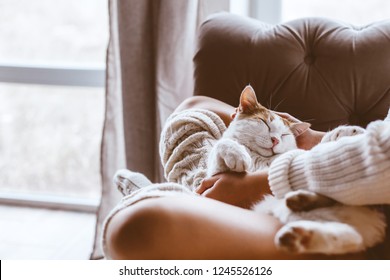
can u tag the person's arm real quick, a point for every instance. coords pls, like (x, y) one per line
(352, 170)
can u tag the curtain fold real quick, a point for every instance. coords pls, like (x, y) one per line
(149, 72)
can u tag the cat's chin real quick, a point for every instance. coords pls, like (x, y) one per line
(267, 153)
(270, 153)
(283, 149)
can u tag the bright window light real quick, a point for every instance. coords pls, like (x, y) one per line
(357, 12)
(66, 32)
(239, 7)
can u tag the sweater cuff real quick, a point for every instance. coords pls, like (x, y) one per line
(285, 171)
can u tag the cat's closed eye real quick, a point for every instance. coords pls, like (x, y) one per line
(269, 129)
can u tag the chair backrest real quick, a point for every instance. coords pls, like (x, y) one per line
(325, 72)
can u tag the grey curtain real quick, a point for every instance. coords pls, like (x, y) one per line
(149, 72)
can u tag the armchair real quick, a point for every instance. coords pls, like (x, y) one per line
(324, 72)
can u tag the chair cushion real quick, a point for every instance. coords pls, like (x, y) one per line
(322, 71)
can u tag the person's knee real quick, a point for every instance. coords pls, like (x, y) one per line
(137, 232)
(223, 110)
(193, 102)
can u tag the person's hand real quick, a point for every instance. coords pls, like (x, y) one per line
(308, 138)
(239, 189)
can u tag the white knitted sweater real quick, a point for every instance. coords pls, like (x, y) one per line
(353, 170)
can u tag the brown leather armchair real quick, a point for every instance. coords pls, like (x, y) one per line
(325, 72)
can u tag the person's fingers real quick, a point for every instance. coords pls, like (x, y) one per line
(233, 115)
(206, 193)
(206, 184)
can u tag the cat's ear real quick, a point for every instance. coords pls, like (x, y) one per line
(248, 100)
(299, 128)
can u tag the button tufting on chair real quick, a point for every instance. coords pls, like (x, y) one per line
(317, 69)
(309, 59)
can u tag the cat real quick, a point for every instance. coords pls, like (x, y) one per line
(312, 223)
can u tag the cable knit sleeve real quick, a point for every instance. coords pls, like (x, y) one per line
(353, 170)
(185, 142)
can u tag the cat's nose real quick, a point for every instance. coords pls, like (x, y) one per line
(275, 141)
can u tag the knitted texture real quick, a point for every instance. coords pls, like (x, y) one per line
(352, 170)
(185, 142)
(128, 181)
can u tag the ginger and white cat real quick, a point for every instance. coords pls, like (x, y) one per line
(312, 223)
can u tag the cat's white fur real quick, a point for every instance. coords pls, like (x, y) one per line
(312, 223)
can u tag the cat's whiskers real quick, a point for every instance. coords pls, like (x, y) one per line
(308, 120)
(269, 101)
(280, 102)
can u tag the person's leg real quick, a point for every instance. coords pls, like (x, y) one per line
(192, 228)
(223, 110)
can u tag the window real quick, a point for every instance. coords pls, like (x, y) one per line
(264, 10)
(52, 59)
(358, 12)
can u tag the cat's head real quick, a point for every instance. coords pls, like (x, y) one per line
(262, 129)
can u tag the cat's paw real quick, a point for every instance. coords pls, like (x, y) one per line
(319, 237)
(236, 160)
(302, 200)
(342, 131)
(228, 155)
(294, 239)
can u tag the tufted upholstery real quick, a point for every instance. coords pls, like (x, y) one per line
(325, 72)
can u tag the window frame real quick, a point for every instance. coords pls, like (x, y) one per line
(55, 202)
(49, 75)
